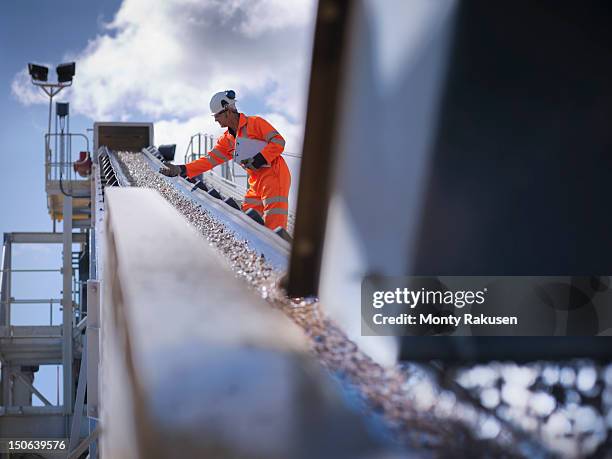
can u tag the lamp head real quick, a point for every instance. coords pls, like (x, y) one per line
(38, 72)
(65, 72)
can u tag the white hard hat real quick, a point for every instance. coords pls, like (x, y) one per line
(222, 100)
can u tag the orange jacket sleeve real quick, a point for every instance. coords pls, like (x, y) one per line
(221, 153)
(276, 143)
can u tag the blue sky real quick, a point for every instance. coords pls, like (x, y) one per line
(136, 60)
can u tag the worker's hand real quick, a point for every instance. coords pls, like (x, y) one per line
(170, 170)
(254, 162)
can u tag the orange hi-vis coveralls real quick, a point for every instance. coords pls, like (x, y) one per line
(268, 191)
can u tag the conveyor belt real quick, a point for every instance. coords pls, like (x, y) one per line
(227, 188)
(260, 239)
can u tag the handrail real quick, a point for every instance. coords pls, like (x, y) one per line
(228, 167)
(59, 161)
(4, 269)
(190, 154)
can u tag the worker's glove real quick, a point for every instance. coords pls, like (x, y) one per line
(172, 170)
(255, 162)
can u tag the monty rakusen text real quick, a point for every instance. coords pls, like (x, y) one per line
(413, 298)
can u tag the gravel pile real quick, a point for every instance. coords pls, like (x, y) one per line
(417, 412)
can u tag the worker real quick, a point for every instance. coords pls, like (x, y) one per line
(268, 175)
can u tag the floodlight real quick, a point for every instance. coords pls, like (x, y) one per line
(38, 72)
(65, 72)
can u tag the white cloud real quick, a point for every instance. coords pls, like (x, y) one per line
(161, 60)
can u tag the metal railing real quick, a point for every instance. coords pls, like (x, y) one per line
(76, 293)
(34, 339)
(59, 161)
(194, 151)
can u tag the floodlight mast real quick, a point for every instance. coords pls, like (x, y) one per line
(65, 74)
(38, 73)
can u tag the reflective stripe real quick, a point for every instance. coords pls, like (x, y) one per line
(276, 212)
(275, 199)
(253, 201)
(214, 160)
(217, 152)
(281, 142)
(217, 156)
(271, 134)
(243, 130)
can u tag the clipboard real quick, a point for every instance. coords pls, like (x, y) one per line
(247, 148)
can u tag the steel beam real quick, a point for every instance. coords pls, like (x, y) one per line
(42, 425)
(5, 308)
(32, 270)
(93, 346)
(30, 331)
(35, 301)
(5, 282)
(96, 252)
(32, 388)
(31, 345)
(80, 400)
(30, 411)
(80, 326)
(67, 305)
(43, 238)
(38, 421)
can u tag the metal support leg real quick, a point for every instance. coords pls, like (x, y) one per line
(67, 305)
(93, 346)
(80, 400)
(5, 314)
(5, 284)
(6, 386)
(93, 358)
